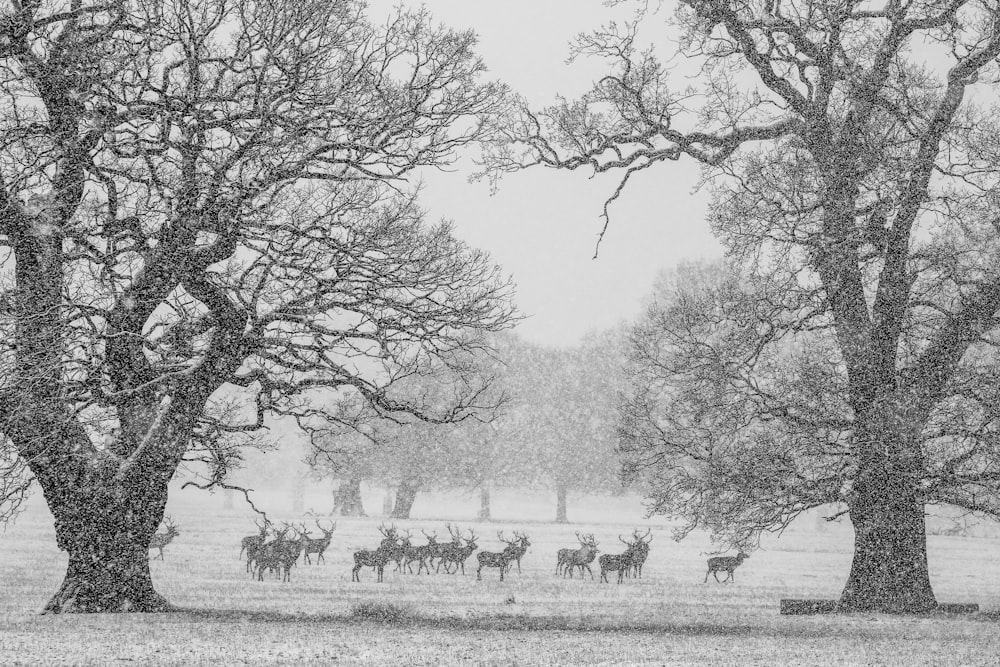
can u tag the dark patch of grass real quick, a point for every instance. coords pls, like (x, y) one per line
(384, 612)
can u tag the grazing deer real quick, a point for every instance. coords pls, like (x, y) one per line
(724, 564)
(317, 546)
(251, 543)
(377, 558)
(618, 562)
(160, 540)
(640, 551)
(518, 550)
(459, 555)
(582, 557)
(494, 559)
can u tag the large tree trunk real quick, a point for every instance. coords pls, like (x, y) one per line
(561, 492)
(406, 494)
(105, 525)
(347, 498)
(889, 571)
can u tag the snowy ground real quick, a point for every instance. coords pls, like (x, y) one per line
(667, 617)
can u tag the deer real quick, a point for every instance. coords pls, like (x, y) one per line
(251, 543)
(402, 550)
(582, 557)
(640, 551)
(449, 548)
(317, 546)
(377, 558)
(286, 553)
(160, 540)
(459, 555)
(268, 555)
(618, 562)
(423, 553)
(494, 559)
(518, 550)
(724, 564)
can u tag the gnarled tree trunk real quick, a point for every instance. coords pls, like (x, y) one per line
(406, 494)
(105, 525)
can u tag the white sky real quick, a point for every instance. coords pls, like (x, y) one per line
(542, 225)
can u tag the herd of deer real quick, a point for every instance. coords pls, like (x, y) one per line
(281, 553)
(399, 548)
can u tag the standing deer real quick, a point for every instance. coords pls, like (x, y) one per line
(494, 559)
(317, 546)
(640, 551)
(518, 550)
(459, 555)
(582, 557)
(160, 540)
(251, 543)
(423, 553)
(448, 549)
(617, 562)
(377, 558)
(269, 554)
(724, 564)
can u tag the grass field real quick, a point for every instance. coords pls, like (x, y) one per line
(321, 617)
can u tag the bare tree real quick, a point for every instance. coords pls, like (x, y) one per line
(853, 170)
(205, 207)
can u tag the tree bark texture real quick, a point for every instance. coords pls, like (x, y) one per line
(889, 572)
(406, 494)
(105, 526)
(347, 498)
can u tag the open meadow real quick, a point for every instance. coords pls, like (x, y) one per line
(533, 617)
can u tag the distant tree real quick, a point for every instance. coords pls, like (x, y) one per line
(206, 201)
(568, 417)
(853, 152)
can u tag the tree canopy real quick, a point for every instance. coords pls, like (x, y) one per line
(851, 151)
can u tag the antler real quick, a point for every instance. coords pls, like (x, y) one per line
(472, 536)
(429, 538)
(326, 531)
(642, 538)
(456, 534)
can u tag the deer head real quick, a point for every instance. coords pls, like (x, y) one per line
(470, 541)
(431, 539)
(172, 530)
(326, 532)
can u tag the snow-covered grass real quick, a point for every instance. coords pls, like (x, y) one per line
(667, 617)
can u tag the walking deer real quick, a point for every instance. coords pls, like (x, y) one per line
(422, 554)
(377, 558)
(724, 564)
(582, 557)
(449, 548)
(494, 559)
(251, 543)
(316, 546)
(160, 540)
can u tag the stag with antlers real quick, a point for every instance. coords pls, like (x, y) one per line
(494, 559)
(620, 563)
(518, 549)
(640, 551)
(267, 555)
(458, 555)
(379, 557)
(447, 549)
(567, 559)
(252, 543)
(160, 540)
(423, 553)
(316, 546)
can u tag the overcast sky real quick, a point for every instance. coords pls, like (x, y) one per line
(542, 225)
